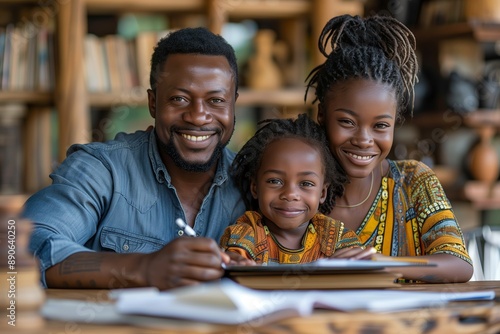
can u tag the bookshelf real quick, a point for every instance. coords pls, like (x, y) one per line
(26, 95)
(297, 23)
(295, 18)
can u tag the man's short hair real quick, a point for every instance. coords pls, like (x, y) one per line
(191, 41)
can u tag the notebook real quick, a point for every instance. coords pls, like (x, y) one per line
(226, 302)
(322, 274)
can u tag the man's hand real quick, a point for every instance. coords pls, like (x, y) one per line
(184, 261)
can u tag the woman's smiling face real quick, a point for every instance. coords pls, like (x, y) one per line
(359, 117)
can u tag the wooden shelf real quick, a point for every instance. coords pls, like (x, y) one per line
(482, 195)
(483, 117)
(260, 9)
(96, 6)
(480, 31)
(18, 2)
(26, 97)
(449, 118)
(106, 100)
(235, 9)
(289, 97)
(434, 118)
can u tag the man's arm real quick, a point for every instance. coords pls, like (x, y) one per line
(184, 261)
(97, 270)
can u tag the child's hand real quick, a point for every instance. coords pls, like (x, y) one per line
(355, 253)
(232, 258)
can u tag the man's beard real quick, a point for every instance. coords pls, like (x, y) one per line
(170, 149)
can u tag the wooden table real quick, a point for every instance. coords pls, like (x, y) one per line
(456, 318)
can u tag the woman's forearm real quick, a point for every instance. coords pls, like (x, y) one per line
(448, 269)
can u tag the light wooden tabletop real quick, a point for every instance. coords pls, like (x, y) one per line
(456, 317)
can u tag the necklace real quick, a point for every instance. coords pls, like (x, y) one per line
(363, 201)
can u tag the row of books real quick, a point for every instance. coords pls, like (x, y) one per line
(116, 64)
(26, 58)
(112, 63)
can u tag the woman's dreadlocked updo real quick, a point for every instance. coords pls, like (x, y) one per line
(378, 48)
(248, 160)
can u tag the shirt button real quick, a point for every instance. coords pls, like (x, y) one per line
(180, 233)
(125, 247)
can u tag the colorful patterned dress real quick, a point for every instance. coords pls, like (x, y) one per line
(411, 215)
(250, 238)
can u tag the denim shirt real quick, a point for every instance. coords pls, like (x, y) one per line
(118, 196)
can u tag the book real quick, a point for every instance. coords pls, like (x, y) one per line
(145, 43)
(94, 69)
(321, 274)
(44, 54)
(323, 280)
(6, 59)
(2, 52)
(112, 64)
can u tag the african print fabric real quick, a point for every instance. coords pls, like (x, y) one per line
(411, 215)
(253, 240)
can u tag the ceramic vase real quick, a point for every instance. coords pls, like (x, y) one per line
(484, 162)
(263, 72)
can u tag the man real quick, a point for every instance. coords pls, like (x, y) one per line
(108, 219)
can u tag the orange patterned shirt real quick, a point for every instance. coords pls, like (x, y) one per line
(250, 238)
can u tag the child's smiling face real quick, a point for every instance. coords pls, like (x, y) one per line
(289, 184)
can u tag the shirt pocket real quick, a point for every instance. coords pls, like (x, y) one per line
(122, 241)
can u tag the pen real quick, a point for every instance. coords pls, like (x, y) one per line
(190, 232)
(185, 227)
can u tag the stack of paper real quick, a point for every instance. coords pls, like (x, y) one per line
(227, 302)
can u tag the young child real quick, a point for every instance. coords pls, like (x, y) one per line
(286, 174)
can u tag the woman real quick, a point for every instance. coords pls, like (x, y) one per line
(397, 207)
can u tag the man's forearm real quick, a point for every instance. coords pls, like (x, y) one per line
(98, 271)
